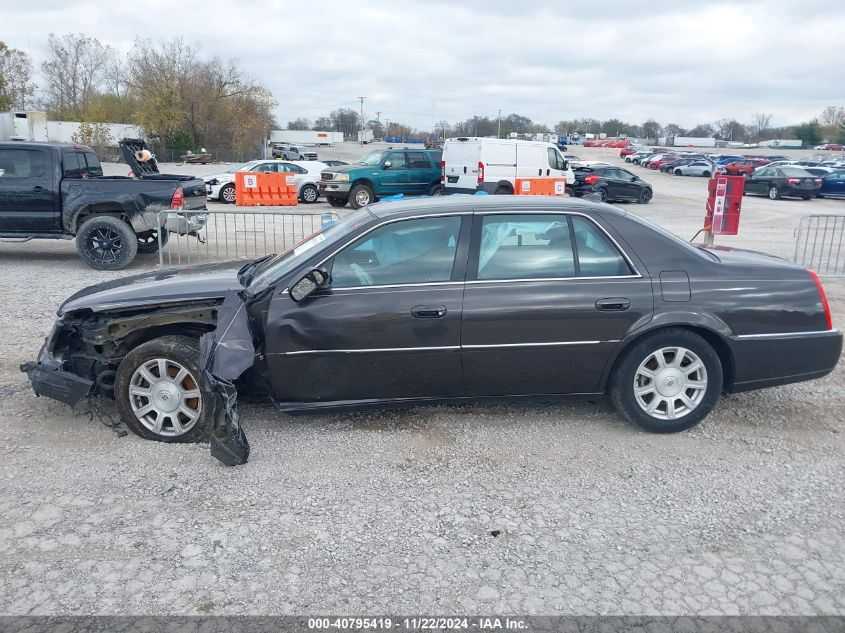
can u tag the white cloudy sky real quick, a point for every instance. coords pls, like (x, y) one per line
(682, 61)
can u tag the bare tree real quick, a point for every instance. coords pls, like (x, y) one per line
(299, 124)
(761, 123)
(16, 86)
(74, 72)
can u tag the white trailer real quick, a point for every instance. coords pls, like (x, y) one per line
(305, 137)
(694, 141)
(365, 136)
(23, 126)
(786, 143)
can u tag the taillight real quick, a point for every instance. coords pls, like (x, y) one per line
(177, 202)
(591, 179)
(793, 181)
(823, 296)
(442, 171)
(480, 171)
(818, 181)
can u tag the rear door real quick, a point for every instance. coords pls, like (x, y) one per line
(548, 298)
(420, 172)
(29, 197)
(461, 164)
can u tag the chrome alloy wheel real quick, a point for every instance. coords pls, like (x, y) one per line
(670, 383)
(165, 397)
(362, 197)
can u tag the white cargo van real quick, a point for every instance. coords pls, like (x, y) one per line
(492, 164)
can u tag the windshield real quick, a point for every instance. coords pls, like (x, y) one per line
(243, 167)
(373, 158)
(276, 267)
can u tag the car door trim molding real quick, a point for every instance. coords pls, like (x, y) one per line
(785, 334)
(375, 350)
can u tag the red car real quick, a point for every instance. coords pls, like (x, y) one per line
(834, 147)
(627, 151)
(744, 167)
(657, 164)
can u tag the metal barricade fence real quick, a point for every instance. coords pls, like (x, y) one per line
(819, 244)
(195, 237)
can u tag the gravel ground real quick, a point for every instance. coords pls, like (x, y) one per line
(522, 509)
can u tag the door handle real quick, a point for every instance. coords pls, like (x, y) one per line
(38, 189)
(428, 312)
(614, 304)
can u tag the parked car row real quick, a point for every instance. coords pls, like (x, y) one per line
(607, 142)
(306, 174)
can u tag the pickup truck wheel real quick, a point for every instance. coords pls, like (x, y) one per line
(435, 190)
(148, 242)
(158, 391)
(106, 243)
(309, 194)
(336, 202)
(360, 196)
(227, 194)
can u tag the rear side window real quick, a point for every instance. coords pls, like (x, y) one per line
(418, 160)
(525, 247)
(95, 169)
(597, 255)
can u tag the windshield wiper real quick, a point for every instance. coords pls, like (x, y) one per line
(248, 271)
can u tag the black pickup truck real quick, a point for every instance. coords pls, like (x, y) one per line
(58, 191)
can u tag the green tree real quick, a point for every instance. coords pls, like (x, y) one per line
(16, 86)
(810, 132)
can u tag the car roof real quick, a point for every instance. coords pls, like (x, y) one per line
(465, 203)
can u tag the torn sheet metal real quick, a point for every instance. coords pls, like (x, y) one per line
(49, 379)
(225, 354)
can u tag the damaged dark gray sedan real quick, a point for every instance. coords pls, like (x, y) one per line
(452, 299)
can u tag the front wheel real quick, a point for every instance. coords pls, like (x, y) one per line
(361, 196)
(158, 391)
(309, 194)
(668, 381)
(774, 194)
(336, 202)
(106, 243)
(227, 194)
(645, 196)
(570, 191)
(678, 172)
(148, 242)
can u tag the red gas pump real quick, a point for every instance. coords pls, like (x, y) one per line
(724, 205)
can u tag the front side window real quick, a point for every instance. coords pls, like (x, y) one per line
(405, 252)
(525, 247)
(597, 255)
(22, 163)
(396, 160)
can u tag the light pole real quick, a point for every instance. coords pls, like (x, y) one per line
(361, 122)
(499, 125)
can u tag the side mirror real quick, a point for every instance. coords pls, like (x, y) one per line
(303, 288)
(387, 165)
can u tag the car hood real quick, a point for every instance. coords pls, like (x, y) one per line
(174, 285)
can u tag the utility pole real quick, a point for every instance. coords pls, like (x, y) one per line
(361, 122)
(499, 124)
(476, 125)
(378, 120)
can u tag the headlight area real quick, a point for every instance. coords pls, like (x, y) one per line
(341, 177)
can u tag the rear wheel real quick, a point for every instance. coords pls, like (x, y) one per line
(106, 243)
(570, 191)
(774, 194)
(668, 381)
(602, 194)
(706, 174)
(336, 202)
(158, 391)
(806, 197)
(501, 190)
(435, 190)
(309, 194)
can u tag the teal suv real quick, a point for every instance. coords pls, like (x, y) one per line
(382, 173)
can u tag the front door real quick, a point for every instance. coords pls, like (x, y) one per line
(29, 201)
(393, 175)
(387, 326)
(552, 297)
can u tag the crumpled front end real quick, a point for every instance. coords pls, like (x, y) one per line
(49, 377)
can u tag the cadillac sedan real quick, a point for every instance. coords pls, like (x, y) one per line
(450, 299)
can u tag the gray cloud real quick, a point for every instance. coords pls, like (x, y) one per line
(682, 62)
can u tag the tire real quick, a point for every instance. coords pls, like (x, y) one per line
(106, 243)
(148, 242)
(705, 382)
(706, 174)
(227, 194)
(602, 194)
(678, 172)
(336, 202)
(309, 194)
(806, 197)
(627, 160)
(645, 196)
(435, 190)
(361, 196)
(774, 194)
(177, 353)
(570, 191)
(502, 191)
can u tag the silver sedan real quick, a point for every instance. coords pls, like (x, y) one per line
(696, 168)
